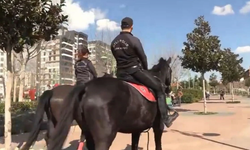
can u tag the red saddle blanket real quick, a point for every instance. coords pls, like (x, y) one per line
(145, 92)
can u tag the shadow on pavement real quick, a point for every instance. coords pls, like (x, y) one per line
(128, 147)
(73, 145)
(193, 134)
(214, 102)
(183, 110)
(21, 138)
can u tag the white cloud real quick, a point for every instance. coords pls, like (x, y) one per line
(223, 10)
(245, 9)
(80, 19)
(106, 24)
(122, 6)
(243, 49)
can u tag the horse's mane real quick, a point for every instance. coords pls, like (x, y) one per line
(161, 64)
(107, 75)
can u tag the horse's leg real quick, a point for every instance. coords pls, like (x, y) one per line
(135, 141)
(90, 144)
(51, 127)
(103, 131)
(158, 128)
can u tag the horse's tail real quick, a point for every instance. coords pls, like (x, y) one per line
(43, 102)
(68, 109)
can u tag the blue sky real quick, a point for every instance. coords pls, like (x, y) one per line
(161, 23)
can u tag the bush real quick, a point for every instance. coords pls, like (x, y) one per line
(22, 117)
(187, 98)
(191, 95)
(19, 107)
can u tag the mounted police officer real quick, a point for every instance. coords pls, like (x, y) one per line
(131, 59)
(84, 69)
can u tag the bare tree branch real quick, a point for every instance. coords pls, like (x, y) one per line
(178, 72)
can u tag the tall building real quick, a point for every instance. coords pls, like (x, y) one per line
(247, 73)
(3, 74)
(57, 58)
(29, 80)
(101, 57)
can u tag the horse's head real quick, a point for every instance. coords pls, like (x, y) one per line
(163, 71)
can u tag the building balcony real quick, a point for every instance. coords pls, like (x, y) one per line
(66, 43)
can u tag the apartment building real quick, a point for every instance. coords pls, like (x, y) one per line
(29, 80)
(101, 57)
(2, 72)
(57, 58)
(247, 73)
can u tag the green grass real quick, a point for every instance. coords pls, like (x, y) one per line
(233, 102)
(203, 113)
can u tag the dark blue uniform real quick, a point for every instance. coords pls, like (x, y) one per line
(131, 60)
(84, 71)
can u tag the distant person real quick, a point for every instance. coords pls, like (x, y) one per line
(84, 69)
(48, 87)
(207, 95)
(179, 96)
(222, 93)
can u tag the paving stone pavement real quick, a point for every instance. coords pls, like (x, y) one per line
(190, 132)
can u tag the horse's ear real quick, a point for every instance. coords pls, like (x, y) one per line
(169, 60)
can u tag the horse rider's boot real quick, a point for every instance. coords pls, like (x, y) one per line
(167, 119)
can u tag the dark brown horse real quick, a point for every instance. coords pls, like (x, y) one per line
(50, 102)
(108, 106)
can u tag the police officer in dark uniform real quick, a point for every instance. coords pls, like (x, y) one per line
(131, 59)
(84, 69)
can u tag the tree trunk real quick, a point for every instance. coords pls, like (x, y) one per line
(204, 92)
(7, 113)
(14, 90)
(232, 90)
(21, 83)
(214, 90)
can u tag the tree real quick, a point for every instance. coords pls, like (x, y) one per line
(106, 60)
(28, 53)
(247, 84)
(230, 68)
(202, 50)
(178, 72)
(25, 22)
(213, 81)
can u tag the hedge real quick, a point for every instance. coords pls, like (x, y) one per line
(191, 95)
(22, 117)
(19, 107)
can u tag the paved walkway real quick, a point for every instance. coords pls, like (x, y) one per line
(229, 130)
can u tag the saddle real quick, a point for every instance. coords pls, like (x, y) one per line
(146, 92)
